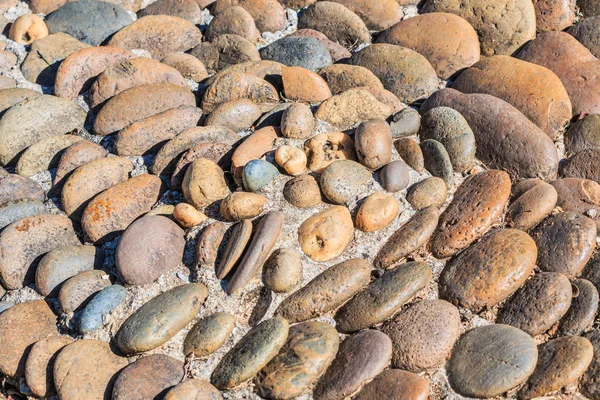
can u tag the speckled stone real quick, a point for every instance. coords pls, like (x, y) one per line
(411, 152)
(302, 191)
(40, 363)
(437, 160)
(283, 270)
(75, 293)
(342, 180)
(583, 309)
(395, 384)
(430, 192)
(194, 389)
(298, 51)
(14, 187)
(405, 122)
(209, 334)
(148, 378)
(530, 208)
(15, 210)
(590, 384)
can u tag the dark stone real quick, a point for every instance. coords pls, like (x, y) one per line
(437, 160)
(298, 51)
(149, 377)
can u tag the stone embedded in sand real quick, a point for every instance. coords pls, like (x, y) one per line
(148, 377)
(238, 85)
(325, 235)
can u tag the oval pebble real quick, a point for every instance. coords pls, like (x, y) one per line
(530, 208)
(102, 304)
(298, 51)
(430, 192)
(395, 384)
(582, 311)
(40, 363)
(15, 210)
(14, 187)
(194, 389)
(437, 160)
(75, 293)
(75, 156)
(148, 378)
(411, 153)
(241, 205)
(257, 174)
(209, 334)
(342, 180)
(376, 212)
(283, 271)
(326, 234)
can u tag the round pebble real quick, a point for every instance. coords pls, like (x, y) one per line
(283, 271)
(376, 212)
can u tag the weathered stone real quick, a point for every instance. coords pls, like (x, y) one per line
(237, 115)
(325, 235)
(530, 208)
(75, 293)
(238, 85)
(148, 378)
(326, 148)
(582, 312)
(269, 15)
(10, 97)
(233, 20)
(15, 210)
(583, 135)
(554, 15)
(224, 51)
(209, 334)
(582, 165)
(186, 9)
(428, 192)
(187, 65)
(578, 195)
(341, 77)
(209, 242)
(92, 316)
(376, 212)
(236, 243)
(283, 271)
(377, 15)
(40, 363)
(298, 51)
(586, 32)
(301, 84)
(351, 107)
(302, 191)
(75, 156)
(437, 160)
(590, 385)
(373, 142)
(342, 180)
(241, 205)
(44, 155)
(14, 187)
(336, 50)
(194, 389)
(292, 159)
(253, 147)
(404, 123)
(204, 183)
(395, 384)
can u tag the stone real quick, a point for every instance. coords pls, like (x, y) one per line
(187, 65)
(489, 271)
(148, 378)
(406, 122)
(130, 73)
(159, 34)
(342, 180)
(91, 179)
(45, 6)
(578, 195)
(326, 234)
(187, 215)
(395, 176)
(209, 243)
(373, 142)
(408, 238)
(10, 97)
(530, 208)
(554, 15)
(538, 304)
(360, 358)
(582, 135)
(23, 241)
(257, 174)
(389, 61)
(269, 15)
(517, 82)
(423, 335)
(430, 192)
(86, 368)
(437, 160)
(589, 382)
(327, 291)
(5, 305)
(582, 165)
(302, 191)
(113, 210)
(411, 153)
(351, 107)
(309, 350)
(565, 243)
(253, 147)
(237, 115)
(582, 312)
(62, 263)
(251, 353)
(204, 183)
(161, 318)
(484, 113)
(377, 15)
(193, 389)
(76, 292)
(283, 271)
(73, 157)
(238, 85)
(209, 334)
(561, 361)
(7, 60)
(324, 149)
(40, 363)
(395, 384)
(301, 84)
(586, 32)
(241, 205)
(341, 77)
(149, 247)
(90, 22)
(490, 360)
(41, 64)
(376, 212)
(27, 28)
(102, 304)
(15, 210)
(236, 244)
(298, 51)
(523, 185)
(263, 69)
(44, 155)
(224, 51)
(7, 83)
(186, 9)
(291, 159)
(34, 119)
(233, 20)
(574, 65)
(267, 233)
(219, 153)
(337, 22)
(336, 50)
(21, 326)
(14, 187)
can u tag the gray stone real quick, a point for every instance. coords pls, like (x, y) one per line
(298, 51)
(15, 210)
(437, 160)
(582, 312)
(102, 304)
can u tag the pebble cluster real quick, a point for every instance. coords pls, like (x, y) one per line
(299, 199)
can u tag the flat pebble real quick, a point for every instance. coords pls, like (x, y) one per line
(209, 242)
(15, 210)
(349, 108)
(530, 208)
(236, 244)
(342, 180)
(302, 84)
(582, 311)
(75, 156)
(430, 192)
(14, 187)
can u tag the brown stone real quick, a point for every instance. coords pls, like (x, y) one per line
(583, 135)
(325, 235)
(578, 195)
(148, 377)
(292, 159)
(238, 85)
(242, 205)
(45, 6)
(411, 152)
(268, 15)
(236, 244)
(373, 142)
(337, 51)
(376, 212)
(301, 84)
(590, 385)
(75, 293)
(233, 20)
(186, 9)
(448, 42)
(10, 97)
(395, 384)
(209, 242)
(341, 77)
(75, 156)
(14, 187)
(204, 183)
(263, 69)
(302, 191)
(530, 208)
(586, 32)
(219, 153)
(40, 363)
(428, 192)
(187, 65)
(554, 15)
(377, 15)
(224, 51)
(194, 389)
(351, 107)
(325, 148)
(253, 147)
(583, 309)
(584, 164)
(44, 155)
(237, 115)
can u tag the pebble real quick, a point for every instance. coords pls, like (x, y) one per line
(301, 84)
(539, 303)
(224, 51)
(578, 195)
(92, 316)
(309, 350)
(327, 291)
(590, 386)
(554, 15)
(326, 234)
(349, 108)
(251, 353)
(23, 241)
(489, 271)
(253, 147)
(86, 369)
(582, 312)
(337, 22)
(561, 361)
(395, 384)
(237, 115)
(583, 135)
(148, 378)
(336, 50)
(161, 318)
(165, 210)
(423, 335)
(208, 244)
(76, 292)
(476, 205)
(297, 121)
(360, 358)
(408, 238)
(62, 263)
(188, 216)
(34, 119)
(430, 192)
(233, 20)
(14, 187)
(27, 28)
(448, 41)
(257, 174)
(302, 191)
(149, 247)
(193, 389)
(377, 212)
(186, 9)
(90, 22)
(73, 157)
(187, 65)
(40, 363)
(298, 51)
(530, 208)
(269, 15)
(582, 165)
(19, 209)
(437, 160)
(44, 155)
(490, 360)
(326, 148)
(266, 234)
(395, 176)
(209, 334)
(405, 122)
(7, 60)
(113, 210)
(291, 159)
(236, 244)
(383, 297)
(411, 153)
(283, 271)
(342, 77)
(516, 82)
(159, 34)
(373, 142)
(565, 243)
(242, 205)
(21, 326)
(10, 97)
(342, 180)
(586, 32)
(532, 155)
(204, 183)
(388, 61)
